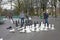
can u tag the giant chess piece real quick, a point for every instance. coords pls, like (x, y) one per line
(22, 29)
(32, 27)
(52, 28)
(49, 26)
(28, 29)
(37, 27)
(11, 21)
(42, 26)
(30, 18)
(46, 27)
(12, 30)
(16, 24)
(10, 27)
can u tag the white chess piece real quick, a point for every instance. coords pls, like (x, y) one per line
(1, 38)
(49, 26)
(52, 27)
(32, 27)
(11, 21)
(28, 29)
(46, 27)
(42, 26)
(12, 30)
(37, 27)
(29, 18)
(23, 30)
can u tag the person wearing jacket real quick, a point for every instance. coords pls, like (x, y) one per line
(46, 15)
(22, 16)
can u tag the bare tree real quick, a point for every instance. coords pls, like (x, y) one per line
(0, 7)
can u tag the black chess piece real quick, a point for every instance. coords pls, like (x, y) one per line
(34, 23)
(16, 24)
(10, 27)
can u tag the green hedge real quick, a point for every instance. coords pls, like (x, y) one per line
(15, 16)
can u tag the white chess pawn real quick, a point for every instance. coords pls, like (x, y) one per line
(1, 38)
(11, 21)
(29, 18)
(52, 27)
(49, 26)
(12, 30)
(28, 29)
(42, 23)
(46, 27)
(42, 26)
(32, 27)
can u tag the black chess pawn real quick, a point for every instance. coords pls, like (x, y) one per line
(16, 24)
(34, 23)
(40, 24)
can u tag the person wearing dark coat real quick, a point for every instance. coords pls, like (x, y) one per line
(46, 17)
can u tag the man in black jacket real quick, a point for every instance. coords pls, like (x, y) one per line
(46, 17)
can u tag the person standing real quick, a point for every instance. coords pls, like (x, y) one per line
(46, 15)
(22, 16)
